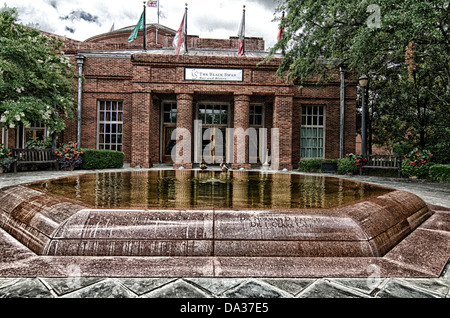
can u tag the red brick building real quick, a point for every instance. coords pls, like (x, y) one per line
(131, 100)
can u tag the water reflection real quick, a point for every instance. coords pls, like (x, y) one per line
(192, 189)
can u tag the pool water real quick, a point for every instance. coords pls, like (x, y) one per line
(195, 189)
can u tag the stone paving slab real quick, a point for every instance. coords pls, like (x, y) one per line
(234, 288)
(373, 286)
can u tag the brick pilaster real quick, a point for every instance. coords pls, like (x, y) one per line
(140, 155)
(282, 119)
(185, 131)
(241, 125)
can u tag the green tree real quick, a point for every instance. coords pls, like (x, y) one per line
(403, 45)
(36, 79)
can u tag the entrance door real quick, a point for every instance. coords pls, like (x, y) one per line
(213, 144)
(168, 143)
(214, 118)
(169, 123)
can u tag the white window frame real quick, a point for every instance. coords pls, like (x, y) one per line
(308, 122)
(117, 145)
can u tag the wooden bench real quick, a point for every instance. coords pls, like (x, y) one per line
(383, 162)
(33, 156)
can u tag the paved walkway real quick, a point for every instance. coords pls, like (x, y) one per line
(75, 286)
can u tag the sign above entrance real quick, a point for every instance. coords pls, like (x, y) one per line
(213, 74)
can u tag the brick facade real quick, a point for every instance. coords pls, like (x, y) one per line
(143, 81)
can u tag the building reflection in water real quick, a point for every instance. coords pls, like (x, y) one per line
(194, 189)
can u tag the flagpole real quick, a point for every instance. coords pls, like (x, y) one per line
(157, 27)
(185, 31)
(241, 36)
(145, 29)
(243, 17)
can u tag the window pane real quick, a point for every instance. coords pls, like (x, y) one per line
(167, 117)
(258, 120)
(173, 118)
(320, 121)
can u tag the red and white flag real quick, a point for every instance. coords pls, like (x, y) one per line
(281, 29)
(178, 40)
(241, 36)
(152, 3)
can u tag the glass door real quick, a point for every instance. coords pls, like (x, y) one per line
(169, 118)
(214, 119)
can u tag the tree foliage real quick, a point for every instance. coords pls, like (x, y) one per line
(403, 45)
(36, 79)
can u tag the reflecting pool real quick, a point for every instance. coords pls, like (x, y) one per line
(194, 189)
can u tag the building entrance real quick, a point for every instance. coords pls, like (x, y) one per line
(214, 118)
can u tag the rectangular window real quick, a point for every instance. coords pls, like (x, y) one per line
(256, 115)
(36, 131)
(110, 125)
(213, 114)
(256, 122)
(312, 131)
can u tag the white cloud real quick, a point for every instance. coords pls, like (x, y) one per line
(83, 19)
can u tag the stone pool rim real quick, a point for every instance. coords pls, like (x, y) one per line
(423, 253)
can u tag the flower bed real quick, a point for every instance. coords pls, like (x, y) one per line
(69, 156)
(417, 163)
(6, 158)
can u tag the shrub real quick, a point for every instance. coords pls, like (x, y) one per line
(309, 165)
(39, 144)
(347, 165)
(417, 163)
(102, 159)
(351, 163)
(441, 152)
(440, 172)
(313, 165)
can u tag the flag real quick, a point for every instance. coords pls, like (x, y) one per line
(281, 29)
(112, 28)
(152, 3)
(139, 26)
(179, 39)
(241, 35)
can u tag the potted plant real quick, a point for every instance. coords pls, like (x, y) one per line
(69, 156)
(6, 158)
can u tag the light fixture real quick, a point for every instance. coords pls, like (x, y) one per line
(363, 81)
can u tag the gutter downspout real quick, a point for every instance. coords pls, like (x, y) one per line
(342, 113)
(80, 63)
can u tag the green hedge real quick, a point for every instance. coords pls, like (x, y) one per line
(439, 172)
(347, 166)
(102, 159)
(313, 165)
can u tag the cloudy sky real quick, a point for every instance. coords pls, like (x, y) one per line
(82, 19)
